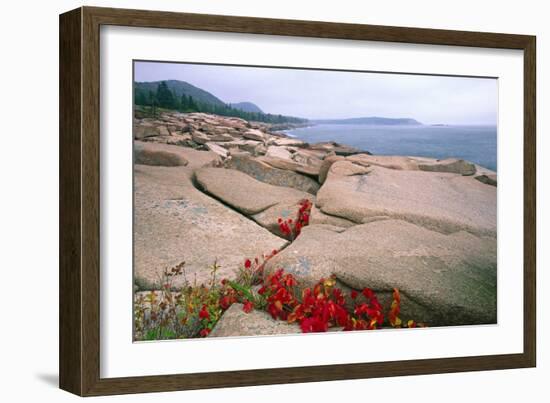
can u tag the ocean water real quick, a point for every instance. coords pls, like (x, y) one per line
(477, 144)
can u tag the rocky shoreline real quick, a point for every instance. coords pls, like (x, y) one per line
(213, 188)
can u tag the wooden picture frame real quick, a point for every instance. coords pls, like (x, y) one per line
(79, 346)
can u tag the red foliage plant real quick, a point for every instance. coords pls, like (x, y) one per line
(319, 308)
(315, 309)
(324, 306)
(291, 228)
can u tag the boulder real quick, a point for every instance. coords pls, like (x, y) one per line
(244, 145)
(144, 130)
(215, 148)
(163, 131)
(237, 323)
(220, 137)
(260, 149)
(451, 277)
(451, 165)
(158, 154)
(285, 142)
(236, 123)
(237, 152)
(386, 161)
(243, 192)
(440, 201)
(291, 165)
(211, 120)
(254, 134)
(307, 157)
(318, 217)
(174, 222)
(319, 154)
(325, 166)
(278, 152)
(338, 149)
(486, 176)
(274, 176)
(488, 179)
(200, 137)
(269, 218)
(195, 158)
(347, 168)
(176, 138)
(217, 128)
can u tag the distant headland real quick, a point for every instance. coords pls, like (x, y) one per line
(373, 120)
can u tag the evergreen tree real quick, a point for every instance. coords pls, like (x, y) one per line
(192, 105)
(165, 97)
(153, 103)
(140, 98)
(184, 103)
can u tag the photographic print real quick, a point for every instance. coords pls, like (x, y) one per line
(273, 200)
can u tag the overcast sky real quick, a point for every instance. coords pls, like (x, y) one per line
(318, 94)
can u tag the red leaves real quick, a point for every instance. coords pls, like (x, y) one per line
(248, 306)
(226, 301)
(368, 314)
(320, 308)
(292, 228)
(315, 309)
(279, 294)
(324, 306)
(204, 314)
(313, 324)
(285, 228)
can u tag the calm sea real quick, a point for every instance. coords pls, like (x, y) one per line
(473, 143)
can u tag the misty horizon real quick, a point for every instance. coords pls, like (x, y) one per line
(329, 94)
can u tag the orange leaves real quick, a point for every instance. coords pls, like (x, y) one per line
(395, 309)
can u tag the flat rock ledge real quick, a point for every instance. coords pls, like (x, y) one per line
(440, 201)
(175, 222)
(261, 202)
(266, 173)
(159, 155)
(243, 192)
(449, 165)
